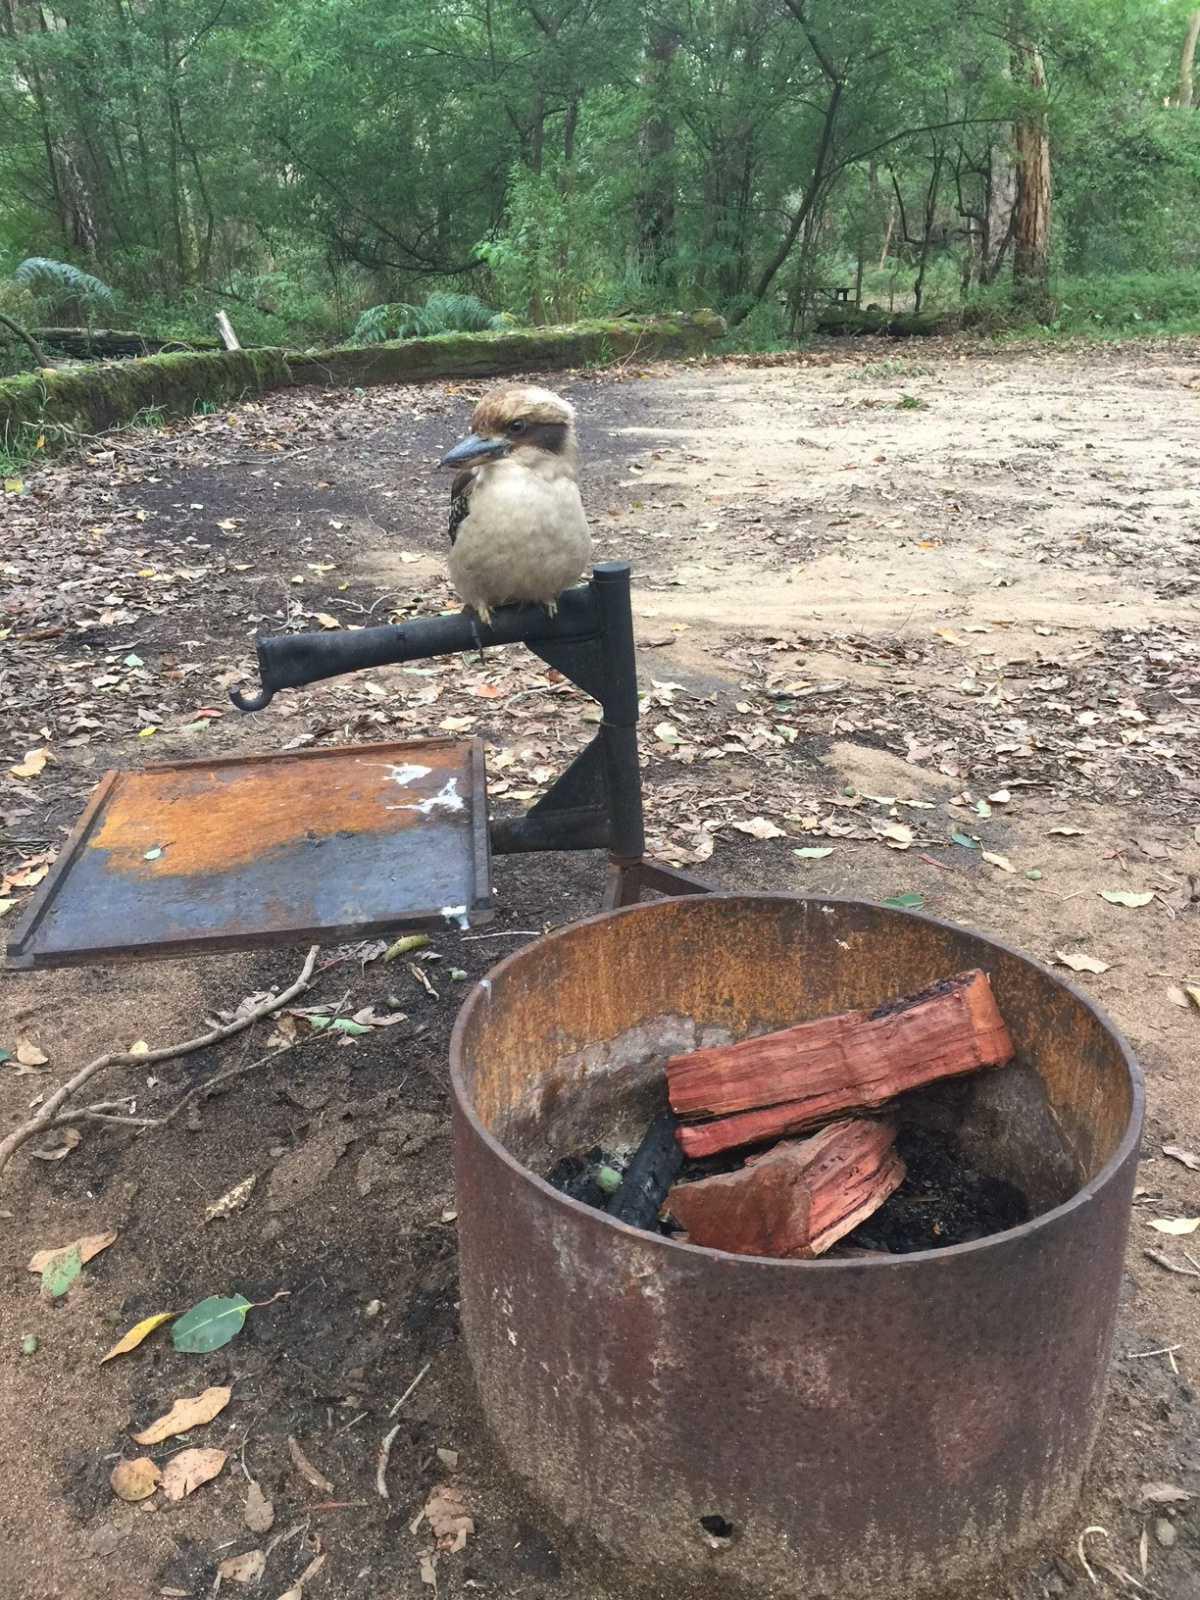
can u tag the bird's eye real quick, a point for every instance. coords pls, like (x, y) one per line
(517, 427)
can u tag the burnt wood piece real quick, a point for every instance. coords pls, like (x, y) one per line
(797, 1199)
(784, 1082)
(651, 1172)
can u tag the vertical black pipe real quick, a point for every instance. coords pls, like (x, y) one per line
(618, 729)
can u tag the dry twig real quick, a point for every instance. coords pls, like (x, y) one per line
(385, 1444)
(105, 1110)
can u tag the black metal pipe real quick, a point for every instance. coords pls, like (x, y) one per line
(285, 661)
(622, 774)
(580, 828)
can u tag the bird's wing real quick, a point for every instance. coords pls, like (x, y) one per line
(460, 500)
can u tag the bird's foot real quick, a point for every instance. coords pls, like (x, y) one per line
(476, 615)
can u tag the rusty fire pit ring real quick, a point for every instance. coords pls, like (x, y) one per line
(883, 1426)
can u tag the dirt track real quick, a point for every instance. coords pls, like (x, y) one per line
(873, 588)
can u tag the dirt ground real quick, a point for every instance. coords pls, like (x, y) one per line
(932, 611)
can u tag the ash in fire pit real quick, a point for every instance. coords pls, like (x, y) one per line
(943, 1200)
(897, 1179)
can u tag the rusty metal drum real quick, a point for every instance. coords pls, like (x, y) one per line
(876, 1426)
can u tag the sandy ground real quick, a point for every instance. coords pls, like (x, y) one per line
(951, 589)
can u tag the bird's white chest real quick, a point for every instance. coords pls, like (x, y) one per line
(525, 537)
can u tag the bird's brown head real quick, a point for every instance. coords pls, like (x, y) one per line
(518, 420)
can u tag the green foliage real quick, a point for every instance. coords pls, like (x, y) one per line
(61, 285)
(442, 313)
(765, 329)
(302, 162)
(1115, 305)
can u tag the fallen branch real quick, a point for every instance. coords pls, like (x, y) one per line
(49, 1116)
(34, 348)
(800, 1077)
(389, 1438)
(1162, 1260)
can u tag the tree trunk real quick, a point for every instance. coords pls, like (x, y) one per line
(656, 201)
(1000, 201)
(887, 235)
(813, 194)
(1031, 226)
(931, 199)
(1185, 95)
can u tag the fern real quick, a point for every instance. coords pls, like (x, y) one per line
(460, 313)
(442, 312)
(60, 282)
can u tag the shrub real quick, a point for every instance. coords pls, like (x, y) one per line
(442, 312)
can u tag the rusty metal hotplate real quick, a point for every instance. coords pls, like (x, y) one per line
(228, 854)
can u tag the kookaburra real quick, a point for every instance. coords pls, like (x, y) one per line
(517, 529)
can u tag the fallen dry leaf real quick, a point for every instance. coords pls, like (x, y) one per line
(258, 1513)
(140, 1330)
(306, 1469)
(1165, 1494)
(1189, 1158)
(184, 1414)
(71, 1140)
(232, 1200)
(90, 1245)
(1125, 897)
(897, 834)
(30, 1054)
(1152, 848)
(189, 1469)
(1178, 996)
(1175, 1225)
(33, 765)
(296, 1592)
(995, 860)
(246, 1568)
(1078, 962)
(428, 1563)
(135, 1480)
(449, 1520)
(759, 828)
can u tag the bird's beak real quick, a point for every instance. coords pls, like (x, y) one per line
(474, 448)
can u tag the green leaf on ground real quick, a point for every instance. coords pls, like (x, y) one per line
(906, 902)
(60, 1271)
(210, 1324)
(1125, 897)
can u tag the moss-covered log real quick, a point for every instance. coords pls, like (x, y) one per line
(485, 355)
(88, 400)
(62, 406)
(89, 344)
